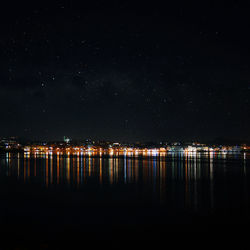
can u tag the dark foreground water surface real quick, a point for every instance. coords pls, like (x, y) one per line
(58, 198)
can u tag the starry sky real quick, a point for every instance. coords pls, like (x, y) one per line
(125, 71)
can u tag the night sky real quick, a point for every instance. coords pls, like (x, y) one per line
(125, 71)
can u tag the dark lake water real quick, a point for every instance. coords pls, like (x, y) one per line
(92, 198)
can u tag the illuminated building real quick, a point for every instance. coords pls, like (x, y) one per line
(66, 139)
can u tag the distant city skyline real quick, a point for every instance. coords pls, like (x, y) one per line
(217, 140)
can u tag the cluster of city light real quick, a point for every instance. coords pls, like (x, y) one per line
(37, 150)
(117, 151)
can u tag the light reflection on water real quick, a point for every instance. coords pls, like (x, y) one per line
(185, 170)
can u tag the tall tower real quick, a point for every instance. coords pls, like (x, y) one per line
(66, 139)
